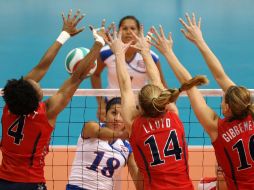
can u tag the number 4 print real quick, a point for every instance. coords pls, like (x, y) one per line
(175, 151)
(18, 133)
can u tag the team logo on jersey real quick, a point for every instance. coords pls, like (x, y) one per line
(138, 66)
(124, 148)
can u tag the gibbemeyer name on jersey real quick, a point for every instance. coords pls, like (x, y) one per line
(157, 124)
(238, 129)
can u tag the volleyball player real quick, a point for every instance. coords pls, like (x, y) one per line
(102, 150)
(27, 122)
(133, 60)
(156, 132)
(232, 137)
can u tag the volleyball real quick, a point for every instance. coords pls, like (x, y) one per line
(74, 57)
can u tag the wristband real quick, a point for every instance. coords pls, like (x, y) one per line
(97, 37)
(63, 37)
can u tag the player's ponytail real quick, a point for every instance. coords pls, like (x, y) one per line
(171, 95)
(153, 104)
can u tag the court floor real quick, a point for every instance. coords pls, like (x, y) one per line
(59, 160)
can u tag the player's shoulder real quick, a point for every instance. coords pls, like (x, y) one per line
(105, 53)
(154, 56)
(127, 146)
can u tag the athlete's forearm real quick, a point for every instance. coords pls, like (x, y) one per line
(214, 65)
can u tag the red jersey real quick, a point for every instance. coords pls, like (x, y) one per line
(234, 149)
(208, 183)
(160, 152)
(25, 141)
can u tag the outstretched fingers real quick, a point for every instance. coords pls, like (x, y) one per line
(162, 31)
(183, 23)
(141, 32)
(103, 22)
(193, 19)
(79, 19)
(70, 23)
(119, 35)
(170, 36)
(63, 17)
(111, 36)
(150, 34)
(76, 15)
(114, 32)
(188, 19)
(127, 45)
(153, 44)
(134, 35)
(110, 27)
(109, 39)
(199, 23)
(154, 31)
(69, 14)
(184, 32)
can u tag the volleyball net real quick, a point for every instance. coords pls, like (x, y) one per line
(83, 107)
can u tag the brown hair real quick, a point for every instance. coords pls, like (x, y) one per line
(131, 17)
(153, 100)
(240, 102)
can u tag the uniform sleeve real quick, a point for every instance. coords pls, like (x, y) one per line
(155, 57)
(127, 144)
(105, 53)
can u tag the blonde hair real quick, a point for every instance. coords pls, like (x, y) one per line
(240, 102)
(153, 100)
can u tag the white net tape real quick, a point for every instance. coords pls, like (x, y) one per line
(116, 92)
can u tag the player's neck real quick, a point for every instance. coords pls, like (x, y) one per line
(130, 53)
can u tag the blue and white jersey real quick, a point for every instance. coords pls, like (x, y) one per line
(97, 162)
(136, 69)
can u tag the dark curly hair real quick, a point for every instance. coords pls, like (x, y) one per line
(20, 97)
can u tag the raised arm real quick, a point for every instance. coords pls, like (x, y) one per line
(143, 46)
(57, 102)
(194, 34)
(69, 29)
(129, 110)
(158, 64)
(206, 116)
(96, 84)
(152, 70)
(96, 78)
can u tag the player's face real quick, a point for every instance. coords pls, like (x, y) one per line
(37, 88)
(127, 26)
(114, 119)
